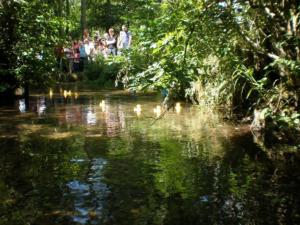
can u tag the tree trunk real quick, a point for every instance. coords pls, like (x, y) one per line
(67, 15)
(108, 15)
(83, 16)
(26, 94)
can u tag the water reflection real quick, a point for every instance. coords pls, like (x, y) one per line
(22, 105)
(91, 117)
(102, 105)
(41, 106)
(178, 107)
(114, 121)
(50, 93)
(72, 115)
(138, 109)
(157, 111)
(88, 196)
(74, 162)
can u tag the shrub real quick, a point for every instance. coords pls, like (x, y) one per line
(103, 72)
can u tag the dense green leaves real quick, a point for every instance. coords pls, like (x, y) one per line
(30, 32)
(237, 54)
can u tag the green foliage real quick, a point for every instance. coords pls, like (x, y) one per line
(239, 54)
(103, 72)
(105, 14)
(30, 32)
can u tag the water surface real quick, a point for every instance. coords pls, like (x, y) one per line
(67, 160)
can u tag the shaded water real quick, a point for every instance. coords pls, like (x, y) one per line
(71, 161)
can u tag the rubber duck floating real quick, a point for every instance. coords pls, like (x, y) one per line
(178, 107)
(157, 110)
(138, 109)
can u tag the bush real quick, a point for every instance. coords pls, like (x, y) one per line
(103, 72)
(93, 70)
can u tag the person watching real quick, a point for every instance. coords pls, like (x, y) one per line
(111, 42)
(125, 39)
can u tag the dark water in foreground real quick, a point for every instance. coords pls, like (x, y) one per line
(71, 161)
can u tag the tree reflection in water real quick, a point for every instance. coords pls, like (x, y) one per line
(75, 163)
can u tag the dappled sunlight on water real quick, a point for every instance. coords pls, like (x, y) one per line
(111, 157)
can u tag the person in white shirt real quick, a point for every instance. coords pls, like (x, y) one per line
(125, 38)
(89, 49)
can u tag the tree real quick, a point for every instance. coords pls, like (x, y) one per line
(83, 22)
(237, 54)
(30, 31)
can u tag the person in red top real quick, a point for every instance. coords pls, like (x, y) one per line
(76, 56)
(59, 53)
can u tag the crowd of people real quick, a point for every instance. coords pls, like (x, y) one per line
(87, 49)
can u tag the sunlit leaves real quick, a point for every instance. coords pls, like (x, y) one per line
(255, 51)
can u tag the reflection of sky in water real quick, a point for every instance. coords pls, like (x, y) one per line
(22, 105)
(88, 195)
(79, 191)
(41, 106)
(91, 118)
